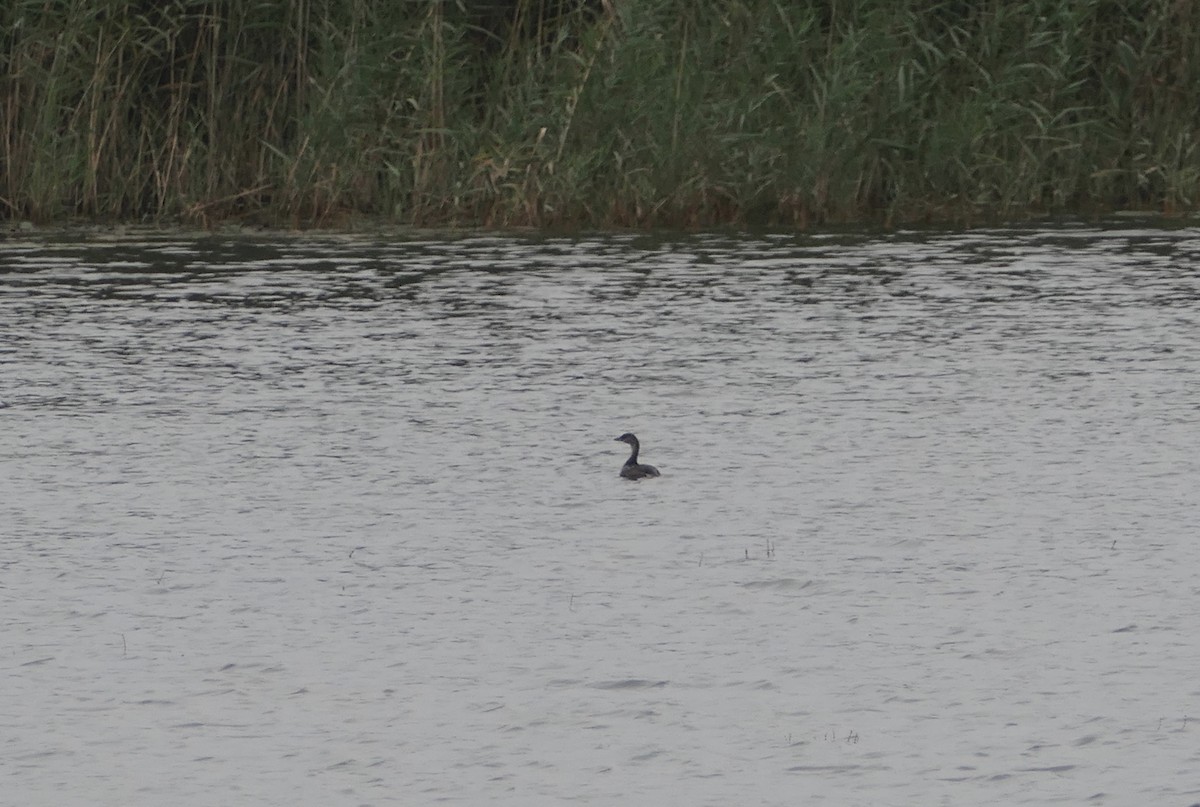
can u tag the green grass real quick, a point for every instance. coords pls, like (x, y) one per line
(596, 113)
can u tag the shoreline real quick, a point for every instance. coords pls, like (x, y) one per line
(367, 226)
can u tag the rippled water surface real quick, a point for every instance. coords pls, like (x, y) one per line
(338, 521)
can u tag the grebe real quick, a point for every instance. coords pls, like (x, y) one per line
(631, 469)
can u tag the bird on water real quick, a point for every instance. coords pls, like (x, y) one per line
(632, 469)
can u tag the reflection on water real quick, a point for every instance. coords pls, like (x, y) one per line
(302, 518)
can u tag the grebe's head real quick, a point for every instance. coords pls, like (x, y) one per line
(627, 437)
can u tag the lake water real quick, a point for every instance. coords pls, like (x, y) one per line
(334, 520)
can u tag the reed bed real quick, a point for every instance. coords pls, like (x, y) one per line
(596, 113)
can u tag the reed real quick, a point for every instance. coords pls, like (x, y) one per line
(596, 112)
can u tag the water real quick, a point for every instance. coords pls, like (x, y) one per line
(338, 521)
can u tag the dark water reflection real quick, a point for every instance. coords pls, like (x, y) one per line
(316, 516)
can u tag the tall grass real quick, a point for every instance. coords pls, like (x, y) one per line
(596, 112)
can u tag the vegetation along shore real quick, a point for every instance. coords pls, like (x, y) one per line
(596, 113)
